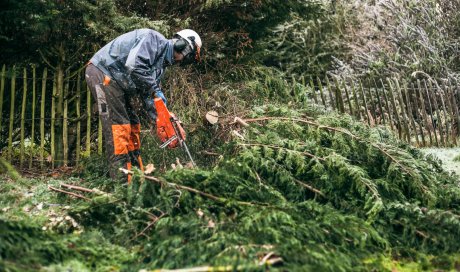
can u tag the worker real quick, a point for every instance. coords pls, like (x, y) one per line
(128, 66)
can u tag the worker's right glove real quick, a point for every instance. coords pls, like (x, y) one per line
(161, 95)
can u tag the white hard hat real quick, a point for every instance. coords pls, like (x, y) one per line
(192, 39)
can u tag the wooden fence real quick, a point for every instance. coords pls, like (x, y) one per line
(49, 121)
(422, 112)
(45, 116)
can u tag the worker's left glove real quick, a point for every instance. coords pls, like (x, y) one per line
(161, 95)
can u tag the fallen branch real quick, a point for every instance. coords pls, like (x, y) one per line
(69, 193)
(189, 189)
(74, 187)
(346, 132)
(224, 268)
(309, 187)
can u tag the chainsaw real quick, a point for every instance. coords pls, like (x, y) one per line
(169, 129)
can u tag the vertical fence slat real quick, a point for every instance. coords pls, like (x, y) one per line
(77, 106)
(99, 136)
(12, 98)
(338, 96)
(320, 87)
(433, 99)
(355, 96)
(419, 115)
(433, 125)
(23, 118)
(444, 111)
(409, 110)
(65, 124)
(344, 84)
(382, 112)
(451, 113)
(387, 105)
(53, 115)
(331, 97)
(428, 124)
(32, 130)
(366, 109)
(455, 107)
(404, 115)
(2, 92)
(88, 122)
(312, 87)
(42, 118)
(393, 93)
(371, 101)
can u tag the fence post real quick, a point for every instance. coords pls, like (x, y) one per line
(31, 157)
(10, 133)
(382, 112)
(2, 92)
(42, 118)
(23, 115)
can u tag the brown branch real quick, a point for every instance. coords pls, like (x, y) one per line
(190, 189)
(69, 193)
(309, 187)
(69, 186)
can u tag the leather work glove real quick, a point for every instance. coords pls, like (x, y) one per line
(161, 95)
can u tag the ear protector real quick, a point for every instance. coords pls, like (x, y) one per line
(180, 44)
(183, 46)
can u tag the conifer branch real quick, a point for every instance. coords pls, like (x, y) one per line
(190, 189)
(343, 131)
(287, 149)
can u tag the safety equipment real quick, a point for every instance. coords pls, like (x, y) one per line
(169, 129)
(161, 95)
(189, 44)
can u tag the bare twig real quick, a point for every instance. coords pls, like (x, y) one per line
(69, 193)
(83, 189)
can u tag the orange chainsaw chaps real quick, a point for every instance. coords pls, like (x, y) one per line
(165, 126)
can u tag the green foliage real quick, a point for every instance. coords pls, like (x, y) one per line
(327, 193)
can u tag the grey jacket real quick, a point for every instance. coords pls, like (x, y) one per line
(136, 60)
